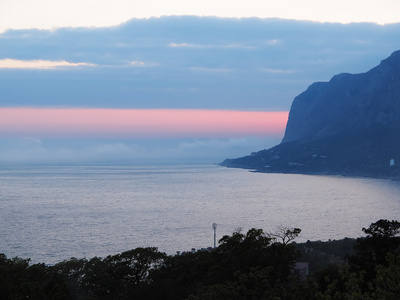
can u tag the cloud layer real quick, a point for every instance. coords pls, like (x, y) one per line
(31, 150)
(187, 62)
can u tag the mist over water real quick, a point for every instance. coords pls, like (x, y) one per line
(54, 213)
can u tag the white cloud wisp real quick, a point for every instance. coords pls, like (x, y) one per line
(38, 64)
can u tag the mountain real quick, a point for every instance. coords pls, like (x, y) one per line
(349, 125)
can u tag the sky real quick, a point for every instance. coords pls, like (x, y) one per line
(171, 81)
(49, 14)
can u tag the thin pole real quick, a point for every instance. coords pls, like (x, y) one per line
(214, 226)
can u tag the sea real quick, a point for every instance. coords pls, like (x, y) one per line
(52, 213)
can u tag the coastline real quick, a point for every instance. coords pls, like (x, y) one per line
(392, 177)
(339, 174)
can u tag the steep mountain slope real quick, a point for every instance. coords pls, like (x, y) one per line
(347, 102)
(349, 125)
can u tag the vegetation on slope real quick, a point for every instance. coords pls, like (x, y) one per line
(358, 153)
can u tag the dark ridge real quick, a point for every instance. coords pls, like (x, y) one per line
(348, 126)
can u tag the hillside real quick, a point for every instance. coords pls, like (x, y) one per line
(349, 126)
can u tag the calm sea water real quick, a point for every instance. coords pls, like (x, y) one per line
(50, 214)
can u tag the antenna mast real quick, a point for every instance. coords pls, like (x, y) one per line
(214, 226)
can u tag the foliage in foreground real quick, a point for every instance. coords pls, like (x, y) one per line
(252, 265)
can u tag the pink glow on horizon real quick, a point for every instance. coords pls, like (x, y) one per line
(139, 123)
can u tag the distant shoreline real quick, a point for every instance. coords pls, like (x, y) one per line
(384, 177)
(325, 173)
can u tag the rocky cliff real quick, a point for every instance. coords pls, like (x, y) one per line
(347, 102)
(349, 125)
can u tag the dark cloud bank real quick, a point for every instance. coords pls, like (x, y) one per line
(189, 62)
